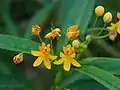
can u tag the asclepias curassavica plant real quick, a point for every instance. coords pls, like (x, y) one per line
(68, 58)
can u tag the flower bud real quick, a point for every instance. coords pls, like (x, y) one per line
(118, 15)
(18, 58)
(36, 30)
(112, 35)
(76, 44)
(88, 37)
(107, 17)
(99, 11)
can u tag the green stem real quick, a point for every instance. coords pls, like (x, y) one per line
(97, 29)
(61, 44)
(101, 30)
(94, 25)
(40, 38)
(26, 52)
(51, 46)
(101, 37)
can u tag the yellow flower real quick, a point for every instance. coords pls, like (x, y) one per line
(43, 56)
(53, 34)
(67, 58)
(99, 11)
(115, 26)
(72, 33)
(36, 30)
(18, 58)
(118, 15)
(114, 29)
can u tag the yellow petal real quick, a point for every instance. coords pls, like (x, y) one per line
(60, 61)
(36, 53)
(57, 29)
(73, 55)
(37, 62)
(72, 28)
(61, 54)
(43, 44)
(112, 24)
(48, 46)
(118, 15)
(66, 65)
(75, 63)
(47, 63)
(118, 28)
(64, 50)
(68, 46)
(52, 57)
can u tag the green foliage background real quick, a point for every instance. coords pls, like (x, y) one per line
(16, 19)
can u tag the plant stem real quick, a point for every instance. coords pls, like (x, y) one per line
(101, 36)
(40, 38)
(94, 25)
(51, 46)
(101, 30)
(61, 44)
(90, 29)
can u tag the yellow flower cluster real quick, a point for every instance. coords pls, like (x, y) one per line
(107, 18)
(114, 28)
(44, 51)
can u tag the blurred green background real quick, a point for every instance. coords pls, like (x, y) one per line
(17, 17)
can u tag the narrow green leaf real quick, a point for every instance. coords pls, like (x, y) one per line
(103, 77)
(78, 12)
(9, 25)
(111, 65)
(17, 44)
(38, 18)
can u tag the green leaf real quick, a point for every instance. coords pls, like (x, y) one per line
(103, 77)
(17, 44)
(9, 25)
(89, 84)
(111, 65)
(39, 18)
(76, 12)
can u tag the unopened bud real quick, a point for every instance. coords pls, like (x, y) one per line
(99, 11)
(88, 37)
(18, 58)
(107, 17)
(112, 35)
(118, 15)
(76, 44)
(36, 30)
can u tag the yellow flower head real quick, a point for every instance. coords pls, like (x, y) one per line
(43, 56)
(115, 27)
(18, 58)
(118, 15)
(72, 33)
(53, 34)
(36, 30)
(67, 57)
